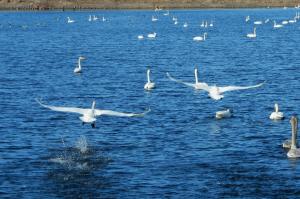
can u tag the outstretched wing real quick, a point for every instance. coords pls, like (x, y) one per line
(179, 81)
(233, 88)
(119, 114)
(64, 109)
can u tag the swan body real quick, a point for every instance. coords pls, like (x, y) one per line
(202, 24)
(185, 25)
(166, 13)
(89, 115)
(152, 35)
(276, 115)
(294, 152)
(277, 25)
(197, 85)
(284, 22)
(175, 22)
(140, 36)
(154, 19)
(174, 18)
(200, 38)
(70, 20)
(214, 92)
(257, 22)
(90, 18)
(211, 24)
(252, 35)
(95, 18)
(292, 21)
(103, 19)
(78, 68)
(149, 85)
(223, 114)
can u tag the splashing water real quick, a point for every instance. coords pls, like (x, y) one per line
(82, 145)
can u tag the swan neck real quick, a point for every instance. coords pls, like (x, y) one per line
(148, 76)
(196, 75)
(276, 108)
(79, 63)
(294, 123)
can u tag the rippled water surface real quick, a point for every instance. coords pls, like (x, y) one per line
(178, 150)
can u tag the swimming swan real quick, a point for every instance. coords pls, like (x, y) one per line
(149, 85)
(294, 152)
(152, 35)
(215, 92)
(200, 38)
(277, 25)
(252, 35)
(70, 20)
(223, 114)
(276, 115)
(197, 85)
(89, 114)
(78, 68)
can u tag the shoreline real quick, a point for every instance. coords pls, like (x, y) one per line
(34, 5)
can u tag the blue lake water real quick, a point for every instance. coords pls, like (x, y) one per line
(178, 150)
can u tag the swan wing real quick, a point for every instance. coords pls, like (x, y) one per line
(64, 109)
(119, 114)
(179, 81)
(233, 88)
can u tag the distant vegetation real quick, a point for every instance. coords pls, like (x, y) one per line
(142, 4)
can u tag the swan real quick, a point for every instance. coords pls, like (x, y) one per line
(285, 22)
(200, 38)
(211, 24)
(223, 114)
(277, 25)
(70, 20)
(214, 92)
(175, 22)
(294, 152)
(149, 85)
(154, 19)
(152, 35)
(174, 18)
(103, 19)
(95, 18)
(247, 18)
(166, 13)
(202, 24)
(88, 115)
(185, 25)
(140, 37)
(276, 115)
(90, 18)
(78, 68)
(252, 35)
(197, 85)
(205, 26)
(257, 22)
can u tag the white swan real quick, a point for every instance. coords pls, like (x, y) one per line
(149, 85)
(200, 38)
(154, 19)
(103, 19)
(78, 68)
(223, 114)
(175, 22)
(285, 22)
(167, 13)
(185, 25)
(276, 115)
(197, 85)
(140, 37)
(257, 22)
(202, 24)
(95, 18)
(89, 114)
(70, 20)
(152, 35)
(90, 18)
(292, 21)
(277, 25)
(247, 18)
(252, 35)
(211, 24)
(214, 92)
(294, 152)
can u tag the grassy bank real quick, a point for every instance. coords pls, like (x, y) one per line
(142, 4)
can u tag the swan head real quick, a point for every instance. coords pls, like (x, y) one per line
(81, 58)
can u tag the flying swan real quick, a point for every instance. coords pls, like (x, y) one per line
(88, 115)
(214, 92)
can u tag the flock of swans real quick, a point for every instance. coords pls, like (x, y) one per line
(89, 115)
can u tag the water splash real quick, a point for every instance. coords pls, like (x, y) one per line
(82, 144)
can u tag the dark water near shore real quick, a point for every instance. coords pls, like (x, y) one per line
(178, 150)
